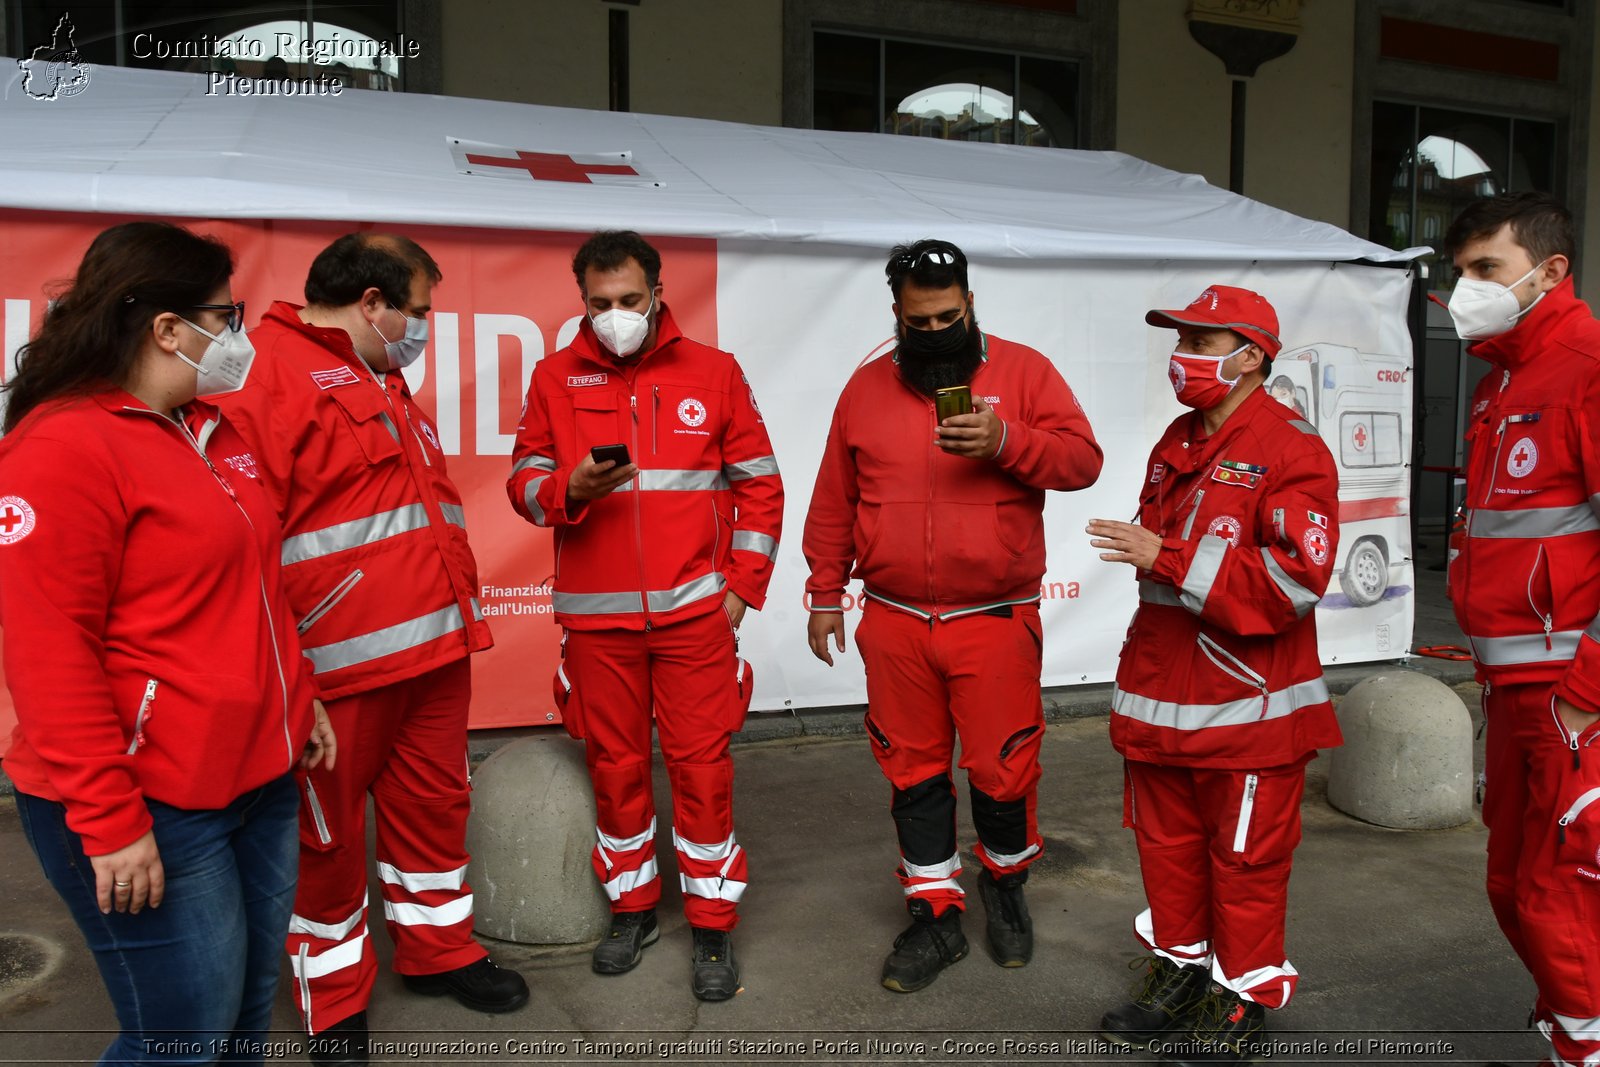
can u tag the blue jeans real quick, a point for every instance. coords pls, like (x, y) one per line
(192, 981)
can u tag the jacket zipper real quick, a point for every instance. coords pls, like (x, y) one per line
(655, 419)
(261, 583)
(331, 601)
(1550, 619)
(1194, 512)
(426, 462)
(1573, 812)
(1247, 805)
(143, 716)
(1570, 737)
(927, 521)
(316, 814)
(638, 515)
(1239, 671)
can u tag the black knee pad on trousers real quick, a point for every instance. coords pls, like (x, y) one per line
(1002, 825)
(925, 820)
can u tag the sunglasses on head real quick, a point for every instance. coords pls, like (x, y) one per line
(941, 256)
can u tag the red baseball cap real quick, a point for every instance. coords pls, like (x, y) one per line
(1224, 306)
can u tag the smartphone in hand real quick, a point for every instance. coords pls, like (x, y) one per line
(956, 400)
(614, 453)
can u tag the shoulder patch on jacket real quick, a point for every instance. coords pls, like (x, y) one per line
(17, 519)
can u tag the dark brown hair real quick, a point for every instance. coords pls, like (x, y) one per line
(92, 333)
(610, 249)
(1538, 223)
(357, 262)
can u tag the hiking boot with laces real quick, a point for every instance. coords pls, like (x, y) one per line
(716, 976)
(923, 949)
(482, 985)
(1010, 927)
(631, 932)
(1227, 1029)
(1164, 1001)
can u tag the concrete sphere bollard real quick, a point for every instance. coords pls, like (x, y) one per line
(1407, 755)
(530, 838)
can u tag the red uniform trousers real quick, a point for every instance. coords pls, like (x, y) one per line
(1544, 877)
(928, 682)
(1215, 847)
(687, 674)
(407, 744)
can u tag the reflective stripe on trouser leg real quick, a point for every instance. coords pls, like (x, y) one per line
(421, 803)
(925, 821)
(624, 857)
(712, 869)
(327, 956)
(1174, 862)
(1008, 833)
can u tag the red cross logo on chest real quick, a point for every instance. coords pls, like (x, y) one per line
(10, 519)
(1521, 457)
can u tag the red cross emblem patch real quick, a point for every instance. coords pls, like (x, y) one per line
(1226, 527)
(17, 519)
(1523, 458)
(691, 412)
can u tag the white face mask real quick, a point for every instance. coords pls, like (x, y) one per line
(224, 365)
(404, 352)
(622, 331)
(1488, 309)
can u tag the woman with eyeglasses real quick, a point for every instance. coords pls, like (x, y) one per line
(161, 698)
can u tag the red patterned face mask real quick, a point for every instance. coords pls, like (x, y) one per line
(1198, 381)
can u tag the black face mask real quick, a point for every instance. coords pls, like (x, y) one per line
(952, 359)
(934, 345)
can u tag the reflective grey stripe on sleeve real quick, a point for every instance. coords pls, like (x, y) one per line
(687, 593)
(1158, 593)
(751, 468)
(674, 481)
(387, 641)
(353, 534)
(1525, 648)
(750, 541)
(1533, 522)
(1303, 426)
(454, 514)
(1302, 598)
(1174, 716)
(1203, 569)
(542, 463)
(530, 498)
(477, 610)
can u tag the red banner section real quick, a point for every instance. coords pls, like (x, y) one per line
(508, 298)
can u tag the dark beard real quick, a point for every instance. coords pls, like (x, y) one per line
(929, 376)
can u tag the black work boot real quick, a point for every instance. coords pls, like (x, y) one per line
(481, 986)
(923, 949)
(631, 932)
(1164, 1001)
(344, 1044)
(1010, 927)
(1227, 1029)
(716, 975)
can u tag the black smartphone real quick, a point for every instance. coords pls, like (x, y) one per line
(956, 400)
(616, 453)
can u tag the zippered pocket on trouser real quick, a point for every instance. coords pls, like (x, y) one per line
(314, 830)
(570, 707)
(1247, 807)
(1578, 804)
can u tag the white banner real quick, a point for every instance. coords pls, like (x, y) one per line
(802, 320)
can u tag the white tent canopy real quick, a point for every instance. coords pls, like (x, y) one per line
(155, 142)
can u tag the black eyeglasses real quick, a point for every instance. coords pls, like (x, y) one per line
(235, 312)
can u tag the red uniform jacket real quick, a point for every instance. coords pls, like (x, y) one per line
(1220, 668)
(934, 534)
(1526, 587)
(706, 510)
(375, 554)
(148, 645)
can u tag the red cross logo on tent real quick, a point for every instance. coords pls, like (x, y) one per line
(523, 164)
(16, 519)
(550, 167)
(1359, 436)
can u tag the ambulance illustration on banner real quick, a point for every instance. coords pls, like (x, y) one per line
(1358, 402)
